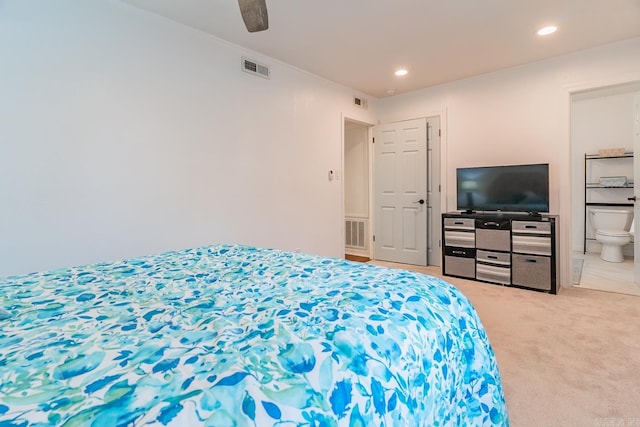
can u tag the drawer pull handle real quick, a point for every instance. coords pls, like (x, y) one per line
(492, 257)
(459, 223)
(530, 260)
(530, 226)
(458, 252)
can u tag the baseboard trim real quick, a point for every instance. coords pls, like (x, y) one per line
(357, 258)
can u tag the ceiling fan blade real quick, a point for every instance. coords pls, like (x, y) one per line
(254, 14)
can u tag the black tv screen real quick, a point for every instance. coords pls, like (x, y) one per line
(518, 188)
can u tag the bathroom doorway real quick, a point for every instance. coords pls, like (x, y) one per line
(357, 175)
(603, 158)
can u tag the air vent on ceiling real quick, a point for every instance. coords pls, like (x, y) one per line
(360, 102)
(252, 67)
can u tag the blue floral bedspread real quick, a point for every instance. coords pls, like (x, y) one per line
(238, 336)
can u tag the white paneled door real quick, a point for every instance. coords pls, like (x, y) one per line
(400, 190)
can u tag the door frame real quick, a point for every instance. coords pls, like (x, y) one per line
(344, 118)
(565, 204)
(434, 222)
(441, 115)
(636, 190)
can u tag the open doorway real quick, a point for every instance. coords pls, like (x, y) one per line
(603, 159)
(357, 191)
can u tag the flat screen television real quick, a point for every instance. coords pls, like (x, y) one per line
(516, 188)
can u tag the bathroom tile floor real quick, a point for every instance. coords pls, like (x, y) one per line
(606, 276)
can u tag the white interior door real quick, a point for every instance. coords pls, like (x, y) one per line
(400, 191)
(636, 187)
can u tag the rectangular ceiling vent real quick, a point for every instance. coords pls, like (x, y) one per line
(360, 102)
(252, 67)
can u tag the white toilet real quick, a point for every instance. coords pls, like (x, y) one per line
(612, 230)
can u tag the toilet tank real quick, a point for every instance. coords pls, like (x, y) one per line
(612, 219)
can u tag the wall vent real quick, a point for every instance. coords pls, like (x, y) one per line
(356, 233)
(253, 67)
(360, 102)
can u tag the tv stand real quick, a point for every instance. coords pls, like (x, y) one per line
(511, 249)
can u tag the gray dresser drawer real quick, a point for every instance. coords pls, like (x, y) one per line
(531, 227)
(458, 266)
(538, 245)
(497, 240)
(461, 239)
(460, 223)
(531, 271)
(493, 257)
(492, 273)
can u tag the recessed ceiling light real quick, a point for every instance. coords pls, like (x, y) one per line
(547, 30)
(391, 91)
(401, 72)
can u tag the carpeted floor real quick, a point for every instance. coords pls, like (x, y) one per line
(571, 359)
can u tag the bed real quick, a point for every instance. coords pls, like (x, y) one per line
(232, 335)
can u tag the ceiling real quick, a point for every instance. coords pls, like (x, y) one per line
(360, 43)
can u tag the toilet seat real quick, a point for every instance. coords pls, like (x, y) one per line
(613, 233)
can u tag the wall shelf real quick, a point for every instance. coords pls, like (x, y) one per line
(597, 185)
(596, 156)
(608, 204)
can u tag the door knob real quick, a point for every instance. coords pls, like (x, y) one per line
(633, 199)
(421, 201)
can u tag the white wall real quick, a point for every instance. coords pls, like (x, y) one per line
(123, 133)
(519, 115)
(600, 119)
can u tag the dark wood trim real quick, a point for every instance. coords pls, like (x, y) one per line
(357, 258)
